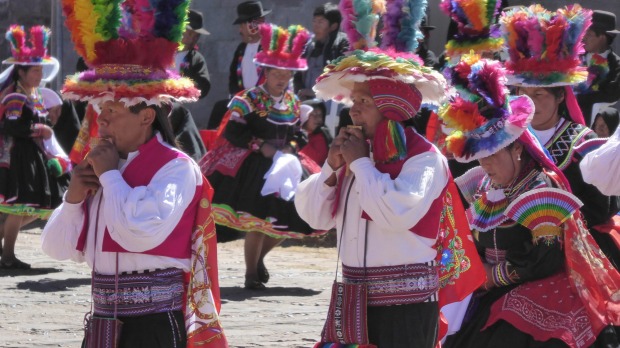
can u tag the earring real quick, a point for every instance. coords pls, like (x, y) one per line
(518, 157)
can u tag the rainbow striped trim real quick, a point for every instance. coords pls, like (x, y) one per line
(14, 103)
(487, 212)
(543, 207)
(225, 215)
(589, 145)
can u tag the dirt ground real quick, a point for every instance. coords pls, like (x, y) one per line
(45, 306)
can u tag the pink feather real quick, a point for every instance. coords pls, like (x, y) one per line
(348, 16)
(265, 32)
(299, 43)
(535, 38)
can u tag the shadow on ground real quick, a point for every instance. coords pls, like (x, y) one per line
(236, 293)
(52, 285)
(5, 272)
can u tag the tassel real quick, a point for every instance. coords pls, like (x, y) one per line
(390, 143)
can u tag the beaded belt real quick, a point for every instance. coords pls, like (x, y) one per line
(494, 256)
(396, 285)
(139, 294)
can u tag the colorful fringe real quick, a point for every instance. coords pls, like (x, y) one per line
(26, 210)
(390, 144)
(224, 215)
(543, 207)
(362, 65)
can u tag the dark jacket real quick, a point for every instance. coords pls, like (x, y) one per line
(337, 45)
(608, 89)
(195, 67)
(235, 78)
(186, 133)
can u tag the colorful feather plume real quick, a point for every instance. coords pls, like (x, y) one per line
(282, 48)
(118, 39)
(483, 117)
(544, 46)
(359, 21)
(33, 50)
(401, 24)
(477, 29)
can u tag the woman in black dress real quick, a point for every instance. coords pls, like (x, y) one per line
(259, 131)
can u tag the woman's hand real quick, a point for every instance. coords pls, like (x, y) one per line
(41, 130)
(83, 181)
(355, 146)
(268, 150)
(103, 157)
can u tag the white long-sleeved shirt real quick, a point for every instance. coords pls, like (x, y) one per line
(601, 167)
(138, 218)
(395, 206)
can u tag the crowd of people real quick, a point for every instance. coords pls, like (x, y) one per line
(474, 196)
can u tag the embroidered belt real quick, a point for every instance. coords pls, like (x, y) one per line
(494, 256)
(139, 294)
(396, 285)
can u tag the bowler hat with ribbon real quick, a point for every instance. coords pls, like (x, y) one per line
(194, 22)
(249, 10)
(605, 20)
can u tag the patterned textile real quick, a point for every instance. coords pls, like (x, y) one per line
(546, 309)
(226, 159)
(395, 285)
(139, 294)
(346, 321)
(563, 144)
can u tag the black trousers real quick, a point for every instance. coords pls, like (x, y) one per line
(161, 330)
(404, 326)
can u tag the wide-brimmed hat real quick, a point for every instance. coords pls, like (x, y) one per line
(605, 20)
(282, 48)
(485, 119)
(544, 47)
(250, 10)
(118, 48)
(476, 27)
(194, 23)
(29, 51)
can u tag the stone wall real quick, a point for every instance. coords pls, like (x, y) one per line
(219, 46)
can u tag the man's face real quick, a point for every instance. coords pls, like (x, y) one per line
(320, 28)
(593, 43)
(120, 126)
(364, 111)
(189, 39)
(249, 30)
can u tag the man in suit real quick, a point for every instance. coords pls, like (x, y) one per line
(603, 85)
(190, 62)
(244, 73)
(328, 43)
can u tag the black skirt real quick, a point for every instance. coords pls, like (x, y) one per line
(411, 325)
(241, 195)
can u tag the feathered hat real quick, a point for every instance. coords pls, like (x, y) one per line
(485, 119)
(398, 86)
(477, 29)
(32, 53)
(129, 46)
(544, 46)
(359, 21)
(282, 48)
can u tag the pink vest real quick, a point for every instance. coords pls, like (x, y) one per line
(152, 156)
(428, 226)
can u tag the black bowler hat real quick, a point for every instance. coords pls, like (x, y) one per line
(249, 10)
(194, 19)
(425, 26)
(605, 20)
